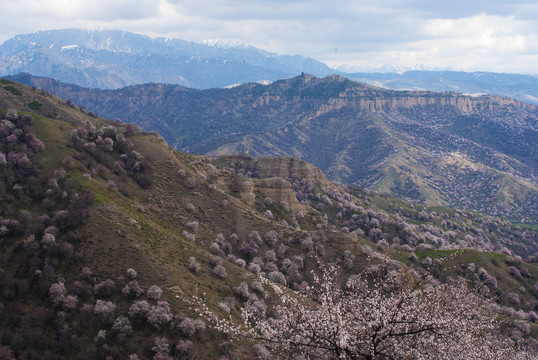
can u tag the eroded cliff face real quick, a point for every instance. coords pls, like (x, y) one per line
(285, 167)
(289, 168)
(363, 98)
(273, 177)
(364, 102)
(242, 188)
(279, 190)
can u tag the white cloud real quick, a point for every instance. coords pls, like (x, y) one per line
(478, 35)
(479, 42)
(70, 10)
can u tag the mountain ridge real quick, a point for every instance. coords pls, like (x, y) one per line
(112, 59)
(519, 86)
(439, 148)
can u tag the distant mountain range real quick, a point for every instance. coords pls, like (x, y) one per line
(517, 86)
(114, 59)
(477, 152)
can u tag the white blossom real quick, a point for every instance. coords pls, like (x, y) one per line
(398, 317)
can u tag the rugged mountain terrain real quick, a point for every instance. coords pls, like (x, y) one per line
(113, 59)
(473, 152)
(106, 233)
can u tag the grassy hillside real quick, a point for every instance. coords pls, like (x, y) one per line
(106, 233)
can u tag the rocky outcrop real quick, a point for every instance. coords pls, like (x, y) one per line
(274, 177)
(243, 188)
(366, 101)
(285, 167)
(240, 161)
(276, 188)
(279, 190)
(289, 168)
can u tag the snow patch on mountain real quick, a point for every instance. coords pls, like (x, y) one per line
(224, 43)
(68, 47)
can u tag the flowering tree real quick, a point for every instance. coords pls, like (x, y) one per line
(397, 318)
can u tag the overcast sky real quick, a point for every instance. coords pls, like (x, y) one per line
(489, 35)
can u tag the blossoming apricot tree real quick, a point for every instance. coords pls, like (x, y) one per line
(396, 318)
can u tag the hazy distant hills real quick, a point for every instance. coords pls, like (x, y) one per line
(517, 86)
(476, 152)
(114, 59)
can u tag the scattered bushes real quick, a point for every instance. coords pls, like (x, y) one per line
(190, 183)
(220, 271)
(193, 265)
(109, 147)
(69, 302)
(133, 290)
(159, 314)
(104, 289)
(104, 310)
(139, 310)
(154, 292)
(122, 325)
(241, 291)
(271, 238)
(57, 293)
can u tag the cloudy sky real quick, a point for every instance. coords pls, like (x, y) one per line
(490, 35)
